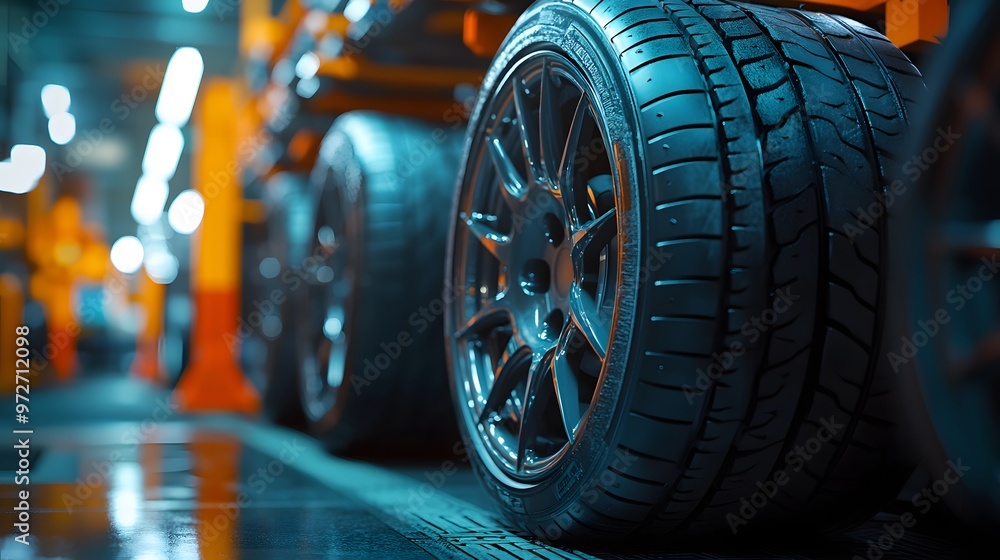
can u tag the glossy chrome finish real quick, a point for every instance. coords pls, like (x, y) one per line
(536, 263)
(326, 311)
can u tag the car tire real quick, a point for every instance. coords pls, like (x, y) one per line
(290, 214)
(674, 325)
(948, 348)
(371, 318)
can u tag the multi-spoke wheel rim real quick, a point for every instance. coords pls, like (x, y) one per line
(326, 311)
(537, 262)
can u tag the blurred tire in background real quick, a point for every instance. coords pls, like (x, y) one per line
(950, 348)
(365, 287)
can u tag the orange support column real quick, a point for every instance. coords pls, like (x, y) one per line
(912, 23)
(151, 298)
(213, 380)
(11, 313)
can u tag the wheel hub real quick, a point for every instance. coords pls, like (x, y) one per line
(541, 265)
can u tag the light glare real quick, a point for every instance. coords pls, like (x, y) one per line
(307, 66)
(180, 87)
(55, 100)
(127, 254)
(62, 128)
(149, 200)
(194, 6)
(357, 9)
(186, 212)
(163, 152)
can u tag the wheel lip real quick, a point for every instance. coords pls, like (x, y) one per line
(319, 408)
(628, 177)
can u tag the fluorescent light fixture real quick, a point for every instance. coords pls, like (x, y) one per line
(180, 87)
(357, 9)
(186, 212)
(307, 66)
(21, 173)
(149, 200)
(161, 266)
(55, 100)
(127, 254)
(163, 152)
(307, 88)
(62, 128)
(194, 6)
(29, 159)
(14, 180)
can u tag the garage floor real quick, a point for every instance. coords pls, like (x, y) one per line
(137, 480)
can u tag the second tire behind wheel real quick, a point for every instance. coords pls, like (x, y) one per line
(370, 359)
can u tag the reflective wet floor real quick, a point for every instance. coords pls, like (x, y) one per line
(135, 479)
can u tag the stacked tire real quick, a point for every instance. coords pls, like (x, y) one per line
(672, 313)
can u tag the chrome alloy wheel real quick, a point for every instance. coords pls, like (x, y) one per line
(535, 266)
(326, 311)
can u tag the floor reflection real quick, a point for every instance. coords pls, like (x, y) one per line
(185, 493)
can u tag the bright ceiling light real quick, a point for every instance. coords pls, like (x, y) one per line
(186, 212)
(163, 152)
(357, 9)
(180, 86)
(161, 266)
(62, 128)
(55, 100)
(14, 180)
(307, 88)
(29, 159)
(307, 66)
(194, 6)
(127, 254)
(149, 200)
(21, 173)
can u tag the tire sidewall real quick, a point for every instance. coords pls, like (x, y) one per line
(568, 30)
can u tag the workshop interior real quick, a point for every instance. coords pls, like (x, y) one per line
(681, 279)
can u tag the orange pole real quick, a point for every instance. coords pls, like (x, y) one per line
(11, 314)
(213, 380)
(151, 299)
(63, 328)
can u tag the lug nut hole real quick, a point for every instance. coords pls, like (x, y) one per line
(535, 277)
(555, 232)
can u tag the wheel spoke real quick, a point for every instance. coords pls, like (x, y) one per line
(505, 381)
(586, 316)
(490, 316)
(529, 129)
(538, 391)
(596, 233)
(493, 241)
(548, 124)
(512, 186)
(576, 131)
(567, 391)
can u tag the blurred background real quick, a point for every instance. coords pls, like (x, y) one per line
(161, 164)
